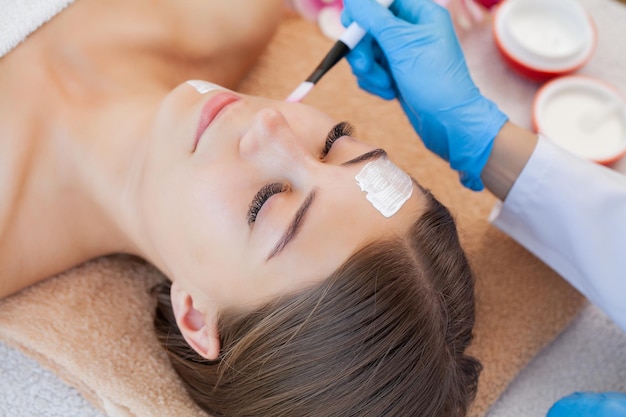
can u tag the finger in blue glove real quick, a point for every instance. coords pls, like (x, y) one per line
(590, 404)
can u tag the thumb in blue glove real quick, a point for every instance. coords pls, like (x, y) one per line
(412, 53)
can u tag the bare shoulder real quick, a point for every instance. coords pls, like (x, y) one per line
(17, 122)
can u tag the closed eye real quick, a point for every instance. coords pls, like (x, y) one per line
(261, 198)
(339, 130)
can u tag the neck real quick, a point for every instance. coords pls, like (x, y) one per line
(105, 159)
(74, 118)
(71, 194)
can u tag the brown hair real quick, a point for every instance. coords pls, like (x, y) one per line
(385, 335)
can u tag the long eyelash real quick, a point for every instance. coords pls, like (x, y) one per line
(339, 130)
(261, 197)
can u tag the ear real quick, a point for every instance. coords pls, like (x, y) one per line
(199, 329)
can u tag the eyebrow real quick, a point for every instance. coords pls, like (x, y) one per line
(367, 156)
(296, 224)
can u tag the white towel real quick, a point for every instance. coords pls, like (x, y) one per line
(20, 18)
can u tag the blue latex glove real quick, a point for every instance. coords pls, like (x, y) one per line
(412, 53)
(589, 404)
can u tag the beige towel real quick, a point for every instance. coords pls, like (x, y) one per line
(92, 325)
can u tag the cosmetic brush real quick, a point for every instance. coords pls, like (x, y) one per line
(348, 40)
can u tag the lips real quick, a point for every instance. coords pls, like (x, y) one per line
(211, 111)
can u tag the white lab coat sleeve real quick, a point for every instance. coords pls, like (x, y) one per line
(571, 213)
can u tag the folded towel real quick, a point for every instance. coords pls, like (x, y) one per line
(20, 18)
(93, 325)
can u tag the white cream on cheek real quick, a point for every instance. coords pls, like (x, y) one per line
(386, 186)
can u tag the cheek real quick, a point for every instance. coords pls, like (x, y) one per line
(192, 215)
(210, 202)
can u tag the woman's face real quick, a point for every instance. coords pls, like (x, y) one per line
(246, 198)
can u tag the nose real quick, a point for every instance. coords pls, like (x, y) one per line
(271, 142)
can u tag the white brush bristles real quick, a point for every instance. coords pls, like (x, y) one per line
(300, 92)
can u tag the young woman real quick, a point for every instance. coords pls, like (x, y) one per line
(291, 294)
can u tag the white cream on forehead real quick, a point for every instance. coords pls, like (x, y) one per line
(386, 186)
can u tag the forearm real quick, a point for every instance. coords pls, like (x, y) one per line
(511, 151)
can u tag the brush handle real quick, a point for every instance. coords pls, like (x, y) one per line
(348, 40)
(354, 33)
(336, 53)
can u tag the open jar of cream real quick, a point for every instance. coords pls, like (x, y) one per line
(583, 115)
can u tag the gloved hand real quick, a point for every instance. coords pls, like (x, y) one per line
(588, 404)
(415, 56)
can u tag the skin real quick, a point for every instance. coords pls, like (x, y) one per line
(97, 157)
(253, 142)
(512, 148)
(194, 205)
